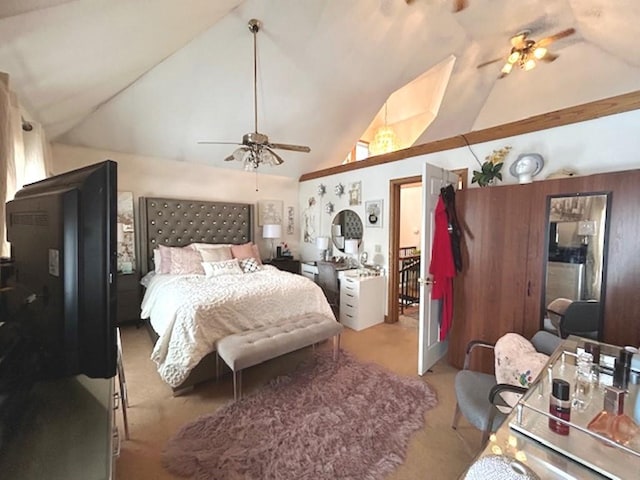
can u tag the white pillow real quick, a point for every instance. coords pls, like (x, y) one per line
(157, 260)
(215, 254)
(226, 267)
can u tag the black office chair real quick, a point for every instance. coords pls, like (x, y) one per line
(330, 284)
(581, 318)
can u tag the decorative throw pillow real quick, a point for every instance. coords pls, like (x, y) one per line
(215, 254)
(246, 250)
(249, 265)
(185, 261)
(226, 267)
(516, 363)
(157, 261)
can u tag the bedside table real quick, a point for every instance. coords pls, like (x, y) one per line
(128, 297)
(285, 264)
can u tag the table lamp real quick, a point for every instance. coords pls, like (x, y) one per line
(271, 232)
(351, 248)
(322, 243)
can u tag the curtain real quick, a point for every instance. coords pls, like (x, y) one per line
(24, 156)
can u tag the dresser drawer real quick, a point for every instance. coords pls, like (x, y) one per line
(350, 285)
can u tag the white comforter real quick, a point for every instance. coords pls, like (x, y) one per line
(191, 312)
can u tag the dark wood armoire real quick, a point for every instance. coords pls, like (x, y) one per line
(504, 249)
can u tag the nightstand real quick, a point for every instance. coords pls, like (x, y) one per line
(128, 297)
(285, 264)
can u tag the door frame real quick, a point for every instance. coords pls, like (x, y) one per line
(395, 186)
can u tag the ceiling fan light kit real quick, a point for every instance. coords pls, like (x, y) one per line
(525, 52)
(256, 149)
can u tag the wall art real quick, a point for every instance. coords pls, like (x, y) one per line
(355, 189)
(270, 212)
(309, 221)
(290, 220)
(125, 233)
(373, 213)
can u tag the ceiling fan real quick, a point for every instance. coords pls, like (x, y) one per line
(525, 52)
(255, 146)
(458, 5)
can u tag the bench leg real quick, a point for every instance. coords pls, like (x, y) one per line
(237, 385)
(336, 347)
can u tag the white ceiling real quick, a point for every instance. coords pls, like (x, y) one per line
(154, 77)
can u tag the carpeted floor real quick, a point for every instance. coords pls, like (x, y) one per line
(326, 420)
(434, 450)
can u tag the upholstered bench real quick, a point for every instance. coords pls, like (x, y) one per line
(246, 349)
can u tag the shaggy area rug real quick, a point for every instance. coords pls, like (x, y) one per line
(327, 420)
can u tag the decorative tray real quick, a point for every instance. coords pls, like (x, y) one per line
(595, 451)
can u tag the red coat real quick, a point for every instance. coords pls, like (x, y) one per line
(442, 268)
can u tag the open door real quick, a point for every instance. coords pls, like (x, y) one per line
(430, 348)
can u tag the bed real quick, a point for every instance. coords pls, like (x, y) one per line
(187, 312)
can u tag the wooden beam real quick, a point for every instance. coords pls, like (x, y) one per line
(580, 113)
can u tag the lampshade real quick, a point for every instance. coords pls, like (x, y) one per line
(271, 231)
(351, 246)
(322, 243)
(336, 230)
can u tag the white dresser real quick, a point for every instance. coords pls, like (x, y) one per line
(362, 300)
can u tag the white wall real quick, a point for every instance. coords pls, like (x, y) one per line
(410, 215)
(153, 176)
(601, 145)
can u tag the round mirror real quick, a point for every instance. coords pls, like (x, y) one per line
(346, 225)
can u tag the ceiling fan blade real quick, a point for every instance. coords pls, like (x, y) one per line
(459, 5)
(543, 42)
(549, 57)
(293, 148)
(219, 143)
(484, 64)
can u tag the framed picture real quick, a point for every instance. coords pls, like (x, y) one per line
(269, 212)
(290, 222)
(355, 192)
(373, 213)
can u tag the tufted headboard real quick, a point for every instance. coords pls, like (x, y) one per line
(174, 223)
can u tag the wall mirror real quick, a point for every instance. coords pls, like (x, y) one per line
(576, 263)
(346, 225)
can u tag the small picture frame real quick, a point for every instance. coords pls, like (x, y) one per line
(373, 213)
(355, 189)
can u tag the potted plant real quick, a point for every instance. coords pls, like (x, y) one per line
(491, 169)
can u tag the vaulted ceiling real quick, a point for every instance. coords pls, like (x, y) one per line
(154, 77)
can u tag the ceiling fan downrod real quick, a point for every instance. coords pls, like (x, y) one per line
(254, 28)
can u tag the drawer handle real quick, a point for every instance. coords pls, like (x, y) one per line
(349, 295)
(348, 305)
(116, 442)
(350, 316)
(116, 401)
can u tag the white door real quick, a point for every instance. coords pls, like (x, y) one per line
(430, 348)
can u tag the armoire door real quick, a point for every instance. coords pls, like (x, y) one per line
(489, 293)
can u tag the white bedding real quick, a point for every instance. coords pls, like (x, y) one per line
(191, 312)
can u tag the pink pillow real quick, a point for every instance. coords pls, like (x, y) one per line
(180, 261)
(246, 250)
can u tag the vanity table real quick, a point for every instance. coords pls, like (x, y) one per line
(583, 454)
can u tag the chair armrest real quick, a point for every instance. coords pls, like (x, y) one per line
(504, 387)
(470, 346)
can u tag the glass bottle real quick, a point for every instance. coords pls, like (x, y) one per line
(612, 422)
(560, 406)
(585, 381)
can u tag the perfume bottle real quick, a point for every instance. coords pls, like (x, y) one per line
(560, 406)
(612, 422)
(585, 381)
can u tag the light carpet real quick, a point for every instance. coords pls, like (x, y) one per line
(326, 420)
